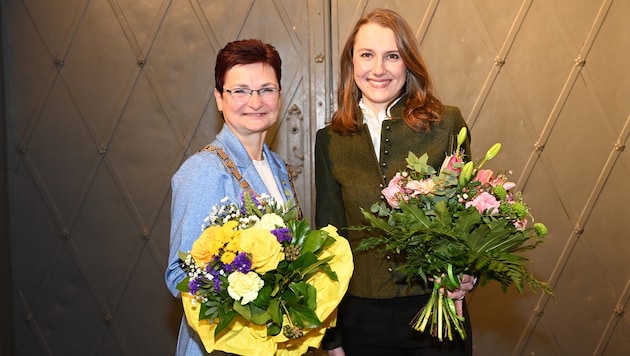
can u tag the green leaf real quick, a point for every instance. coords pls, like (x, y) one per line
(419, 164)
(476, 237)
(329, 272)
(303, 316)
(224, 322)
(415, 215)
(264, 294)
(467, 220)
(273, 329)
(499, 233)
(183, 285)
(242, 310)
(376, 222)
(275, 313)
(442, 215)
(260, 316)
(314, 241)
(299, 230)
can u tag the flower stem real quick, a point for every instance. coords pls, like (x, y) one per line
(440, 315)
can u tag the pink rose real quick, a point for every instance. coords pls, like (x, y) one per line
(394, 191)
(424, 187)
(483, 176)
(485, 202)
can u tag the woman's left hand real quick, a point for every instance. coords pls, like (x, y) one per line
(466, 284)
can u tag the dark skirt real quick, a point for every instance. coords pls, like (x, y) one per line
(381, 327)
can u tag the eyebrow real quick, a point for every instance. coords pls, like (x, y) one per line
(371, 50)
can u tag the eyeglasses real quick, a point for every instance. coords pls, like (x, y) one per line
(243, 94)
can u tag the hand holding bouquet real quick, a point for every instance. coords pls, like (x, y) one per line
(459, 220)
(261, 282)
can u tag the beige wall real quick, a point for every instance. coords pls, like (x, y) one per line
(105, 99)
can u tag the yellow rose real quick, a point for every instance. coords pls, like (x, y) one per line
(206, 246)
(264, 248)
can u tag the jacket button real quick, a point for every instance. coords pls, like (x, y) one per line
(384, 164)
(386, 152)
(387, 139)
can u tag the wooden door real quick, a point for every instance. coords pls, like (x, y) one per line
(107, 98)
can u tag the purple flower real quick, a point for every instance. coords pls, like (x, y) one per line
(242, 263)
(193, 285)
(214, 269)
(282, 234)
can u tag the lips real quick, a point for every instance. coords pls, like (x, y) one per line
(379, 83)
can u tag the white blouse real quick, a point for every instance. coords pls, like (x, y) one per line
(264, 171)
(375, 123)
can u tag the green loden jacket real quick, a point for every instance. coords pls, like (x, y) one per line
(348, 176)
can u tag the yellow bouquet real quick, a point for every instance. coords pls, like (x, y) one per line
(261, 282)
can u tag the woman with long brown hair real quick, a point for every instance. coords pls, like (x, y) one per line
(386, 108)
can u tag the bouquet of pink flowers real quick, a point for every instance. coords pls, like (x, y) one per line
(459, 220)
(261, 282)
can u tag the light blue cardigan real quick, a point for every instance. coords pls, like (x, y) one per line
(199, 184)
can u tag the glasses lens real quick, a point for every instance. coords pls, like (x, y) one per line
(268, 93)
(239, 94)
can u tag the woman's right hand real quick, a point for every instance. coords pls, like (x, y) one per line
(336, 352)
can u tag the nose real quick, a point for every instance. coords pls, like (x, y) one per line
(254, 99)
(379, 67)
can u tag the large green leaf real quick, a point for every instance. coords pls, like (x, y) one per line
(275, 313)
(303, 316)
(314, 241)
(224, 322)
(415, 215)
(300, 230)
(376, 222)
(442, 215)
(242, 310)
(467, 220)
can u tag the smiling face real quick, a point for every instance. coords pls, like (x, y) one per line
(379, 71)
(253, 115)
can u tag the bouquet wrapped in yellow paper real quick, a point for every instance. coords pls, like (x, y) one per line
(261, 282)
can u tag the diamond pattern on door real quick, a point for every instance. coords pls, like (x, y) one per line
(115, 95)
(105, 98)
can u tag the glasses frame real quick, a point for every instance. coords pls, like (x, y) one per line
(272, 93)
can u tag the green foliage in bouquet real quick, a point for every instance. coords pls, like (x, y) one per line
(459, 220)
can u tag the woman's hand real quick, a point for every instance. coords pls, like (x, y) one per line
(466, 284)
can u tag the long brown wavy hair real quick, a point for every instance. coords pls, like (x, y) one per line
(421, 108)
